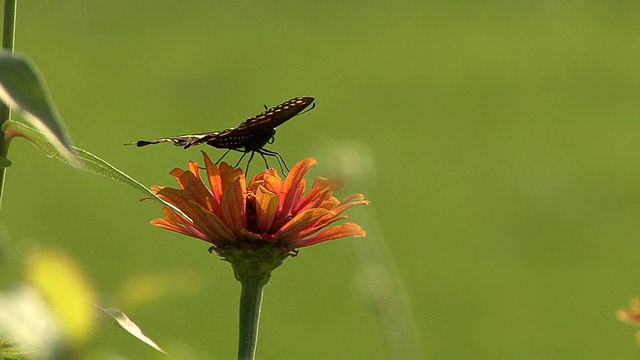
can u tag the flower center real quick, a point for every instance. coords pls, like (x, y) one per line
(252, 216)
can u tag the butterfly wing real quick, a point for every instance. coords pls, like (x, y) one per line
(275, 116)
(250, 134)
(253, 133)
(185, 141)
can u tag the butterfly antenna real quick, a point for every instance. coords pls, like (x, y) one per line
(265, 107)
(313, 105)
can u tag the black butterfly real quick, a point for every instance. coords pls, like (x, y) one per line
(250, 136)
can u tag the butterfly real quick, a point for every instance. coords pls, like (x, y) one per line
(250, 136)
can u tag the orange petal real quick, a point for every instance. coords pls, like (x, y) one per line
(265, 178)
(219, 231)
(177, 173)
(295, 199)
(178, 223)
(329, 203)
(332, 233)
(213, 174)
(172, 196)
(272, 181)
(291, 186)
(299, 222)
(266, 208)
(224, 167)
(328, 220)
(192, 210)
(195, 190)
(230, 176)
(353, 200)
(194, 169)
(233, 204)
(320, 191)
(166, 225)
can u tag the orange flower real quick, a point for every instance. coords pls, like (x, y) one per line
(267, 211)
(632, 315)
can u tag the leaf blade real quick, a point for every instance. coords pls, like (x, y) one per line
(22, 87)
(87, 160)
(129, 326)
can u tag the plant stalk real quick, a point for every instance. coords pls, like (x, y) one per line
(8, 43)
(250, 301)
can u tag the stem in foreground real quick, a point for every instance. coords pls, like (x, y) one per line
(250, 301)
(8, 43)
(252, 268)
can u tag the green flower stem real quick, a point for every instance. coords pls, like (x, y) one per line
(252, 268)
(250, 301)
(8, 43)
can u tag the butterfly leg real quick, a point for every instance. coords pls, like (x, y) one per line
(239, 160)
(278, 157)
(222, 157)
(249, 162)
(265, 160)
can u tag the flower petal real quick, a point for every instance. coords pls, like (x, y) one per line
(266, 208)
(289, 192)
(320, 191)
(233, 204)
(194, 169)
(176, 222)
(269, 179)
(302, 220)
(213, 175)
(350, 201)
(332, 233)
(177, 173)
(230, 176)
(181, 200)
(219, 232)
(272, 181)
(195, 190)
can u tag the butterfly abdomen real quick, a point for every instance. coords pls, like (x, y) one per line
(249, 141)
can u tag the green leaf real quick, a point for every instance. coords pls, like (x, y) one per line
(23, 88)
(87, 160)
(27, 327)
(11, 351)
(133, 329)
(4, 162)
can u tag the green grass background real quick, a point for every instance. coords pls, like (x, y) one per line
(497, 142)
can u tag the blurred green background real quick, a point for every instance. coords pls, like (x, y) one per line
(497, 142)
